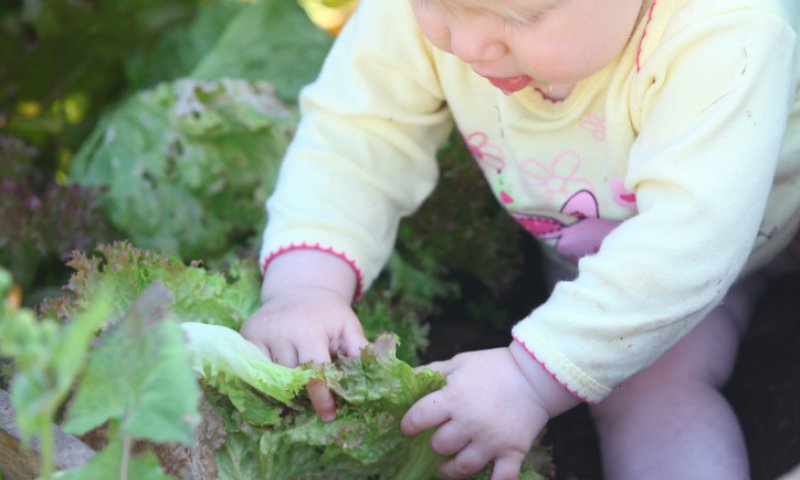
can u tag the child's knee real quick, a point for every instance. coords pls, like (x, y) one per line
(644, 396)
(700, 362)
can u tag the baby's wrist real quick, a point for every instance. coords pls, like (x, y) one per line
(310, 270)
(555, 398)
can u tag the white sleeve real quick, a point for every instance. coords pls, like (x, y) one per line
(364, 154)
(713, 103)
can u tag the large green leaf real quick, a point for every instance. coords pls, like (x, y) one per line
(114, 462)
(48, 357)
(267, 40)
(272, 40)
(140, 376)
(187, 166)
(231, 364)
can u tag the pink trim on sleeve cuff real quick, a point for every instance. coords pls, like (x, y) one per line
(644, 34)
(555, 377)
(317, 246)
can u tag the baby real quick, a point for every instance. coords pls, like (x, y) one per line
(652, 146)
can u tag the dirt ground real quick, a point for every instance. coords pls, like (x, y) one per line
(764, 390)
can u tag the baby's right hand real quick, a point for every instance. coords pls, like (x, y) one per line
(306, 322)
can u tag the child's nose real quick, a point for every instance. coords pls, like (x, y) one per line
(474, 46)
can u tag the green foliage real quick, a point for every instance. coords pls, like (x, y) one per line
(461, 228)
(232, 365)
(267, 40)
(180, 49)
(364, 441)
(374, 391)
(48, 358)
(196, 294)
(403, 296)
(79, 43)
(41, 221)
(274, 40)
(112, 461)
(272, 430)
(64, 60)
(100, 56)
(154, 397)
(228, 299)
(186, 167)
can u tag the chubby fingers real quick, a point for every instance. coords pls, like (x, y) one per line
(469, 461)
(353, 340)
(507, 468)
(429, 411)
(321, 398)
(284, 354)
(449, 439)
(473, 458)
(445, 367)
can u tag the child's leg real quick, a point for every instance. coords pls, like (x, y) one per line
(670, 421)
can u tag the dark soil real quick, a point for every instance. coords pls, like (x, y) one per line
(764, 389)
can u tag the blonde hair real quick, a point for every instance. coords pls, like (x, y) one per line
(516, 12)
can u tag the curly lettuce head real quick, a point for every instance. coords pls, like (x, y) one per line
(187, 165)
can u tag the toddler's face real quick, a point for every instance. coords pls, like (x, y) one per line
(545, 43)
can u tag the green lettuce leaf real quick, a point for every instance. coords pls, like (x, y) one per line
(272, 40)
(273, 432)
(194, 292)
(139, 376)
(186, 166)
(181, 48)
(113, 462)
(374, 391)
(268, 39)
(48, 357)
(229, 363)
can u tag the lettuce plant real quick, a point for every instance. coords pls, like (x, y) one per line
(41, 221)
(186, 167)
(156, 321)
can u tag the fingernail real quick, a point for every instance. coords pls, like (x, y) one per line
(327, 417)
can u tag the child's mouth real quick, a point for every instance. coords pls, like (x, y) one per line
(511, 84)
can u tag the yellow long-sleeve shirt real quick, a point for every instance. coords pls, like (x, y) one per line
(664, 177)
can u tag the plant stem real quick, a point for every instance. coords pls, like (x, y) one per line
(126, 456)
(47, 453)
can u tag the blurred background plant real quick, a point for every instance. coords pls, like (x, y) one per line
(143, 119)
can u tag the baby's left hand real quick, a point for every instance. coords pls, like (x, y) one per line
(491, 410)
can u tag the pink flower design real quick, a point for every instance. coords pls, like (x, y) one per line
(502, 189)
(488, 155)
(577, 239)
(622, 196)
(556, 181)
(595, 124)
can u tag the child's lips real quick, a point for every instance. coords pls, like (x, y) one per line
(510, 84)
